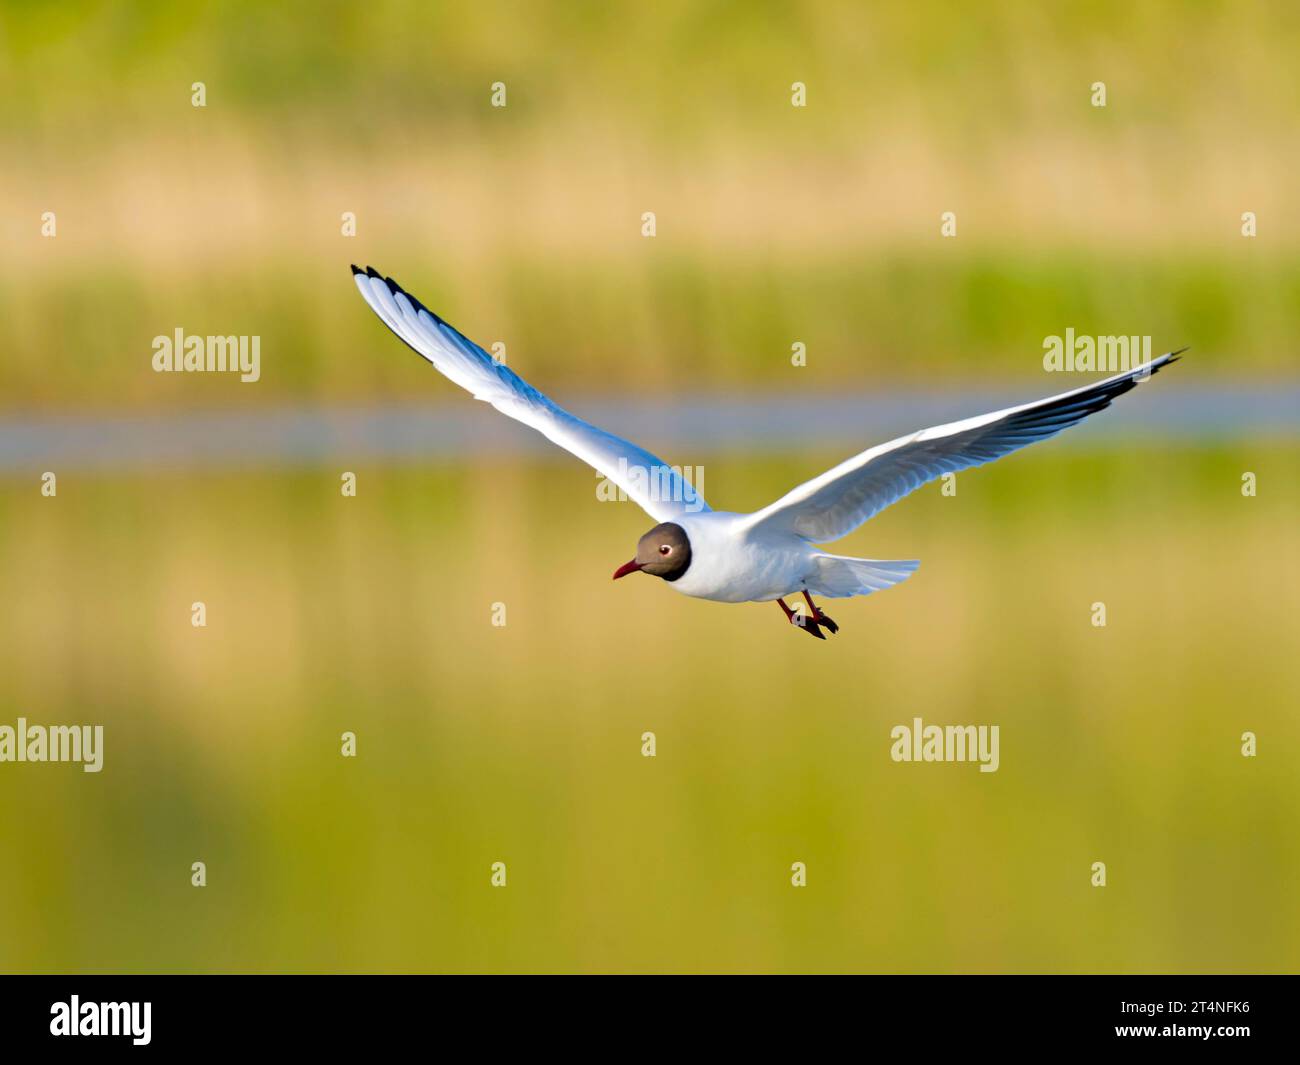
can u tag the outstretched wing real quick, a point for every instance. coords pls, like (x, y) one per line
(837, 502)
(661, 491)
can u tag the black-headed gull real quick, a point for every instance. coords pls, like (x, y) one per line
(772, 553)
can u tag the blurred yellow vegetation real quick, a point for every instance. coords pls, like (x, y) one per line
(521, 743)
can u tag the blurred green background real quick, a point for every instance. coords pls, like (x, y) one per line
(522, 743)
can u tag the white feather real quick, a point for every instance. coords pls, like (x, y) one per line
(660, 490)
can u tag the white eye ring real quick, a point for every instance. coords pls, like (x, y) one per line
(664, 549)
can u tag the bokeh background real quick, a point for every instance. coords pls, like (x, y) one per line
(522, 743)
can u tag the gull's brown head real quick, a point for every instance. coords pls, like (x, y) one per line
(663, 552)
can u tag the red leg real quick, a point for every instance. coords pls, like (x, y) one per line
(818, 616)
(808, 624)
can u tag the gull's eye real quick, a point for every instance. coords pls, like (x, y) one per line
(664, 549)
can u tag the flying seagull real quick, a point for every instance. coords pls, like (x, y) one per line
(771, 553)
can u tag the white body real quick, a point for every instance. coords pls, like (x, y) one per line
(731, 563)
(733, 560)
(738, 558)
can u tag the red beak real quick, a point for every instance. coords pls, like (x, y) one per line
(626, 568)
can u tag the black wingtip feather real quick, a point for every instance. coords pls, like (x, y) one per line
(395, 288)
(355, 269)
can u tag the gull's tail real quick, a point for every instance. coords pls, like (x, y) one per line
(837, 577)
